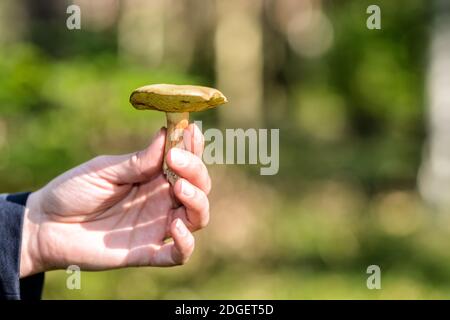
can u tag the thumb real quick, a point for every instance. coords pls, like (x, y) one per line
(134, 167)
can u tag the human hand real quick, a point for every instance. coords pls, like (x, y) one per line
(118, 211)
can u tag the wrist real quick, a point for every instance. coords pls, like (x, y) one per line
(31, 260)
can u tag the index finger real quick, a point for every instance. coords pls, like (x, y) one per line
(194, 140)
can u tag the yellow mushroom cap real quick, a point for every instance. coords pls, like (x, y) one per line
(176, 98)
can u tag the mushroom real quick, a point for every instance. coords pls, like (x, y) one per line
(176, 101)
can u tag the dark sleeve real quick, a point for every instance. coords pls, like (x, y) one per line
(11, 220)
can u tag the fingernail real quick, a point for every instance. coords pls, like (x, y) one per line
(181, 228)
(178, 158)
(187, 189)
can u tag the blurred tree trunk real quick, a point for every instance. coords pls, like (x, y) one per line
(434, 177)
(239, 61)
(46, 22)
(280, 14)
(141, 31)
(10, 13)
(164, 32)
(184, 23)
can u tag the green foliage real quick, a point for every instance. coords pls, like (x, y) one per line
(65, 112)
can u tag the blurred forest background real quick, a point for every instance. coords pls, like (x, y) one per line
(364, 118)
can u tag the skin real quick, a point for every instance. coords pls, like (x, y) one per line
(119, 211)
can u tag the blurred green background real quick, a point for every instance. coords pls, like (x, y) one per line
(355, 111)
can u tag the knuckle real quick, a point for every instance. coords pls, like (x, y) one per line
(134, 160)
(136, 163)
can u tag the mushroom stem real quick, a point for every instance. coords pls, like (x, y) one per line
(176, 123)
